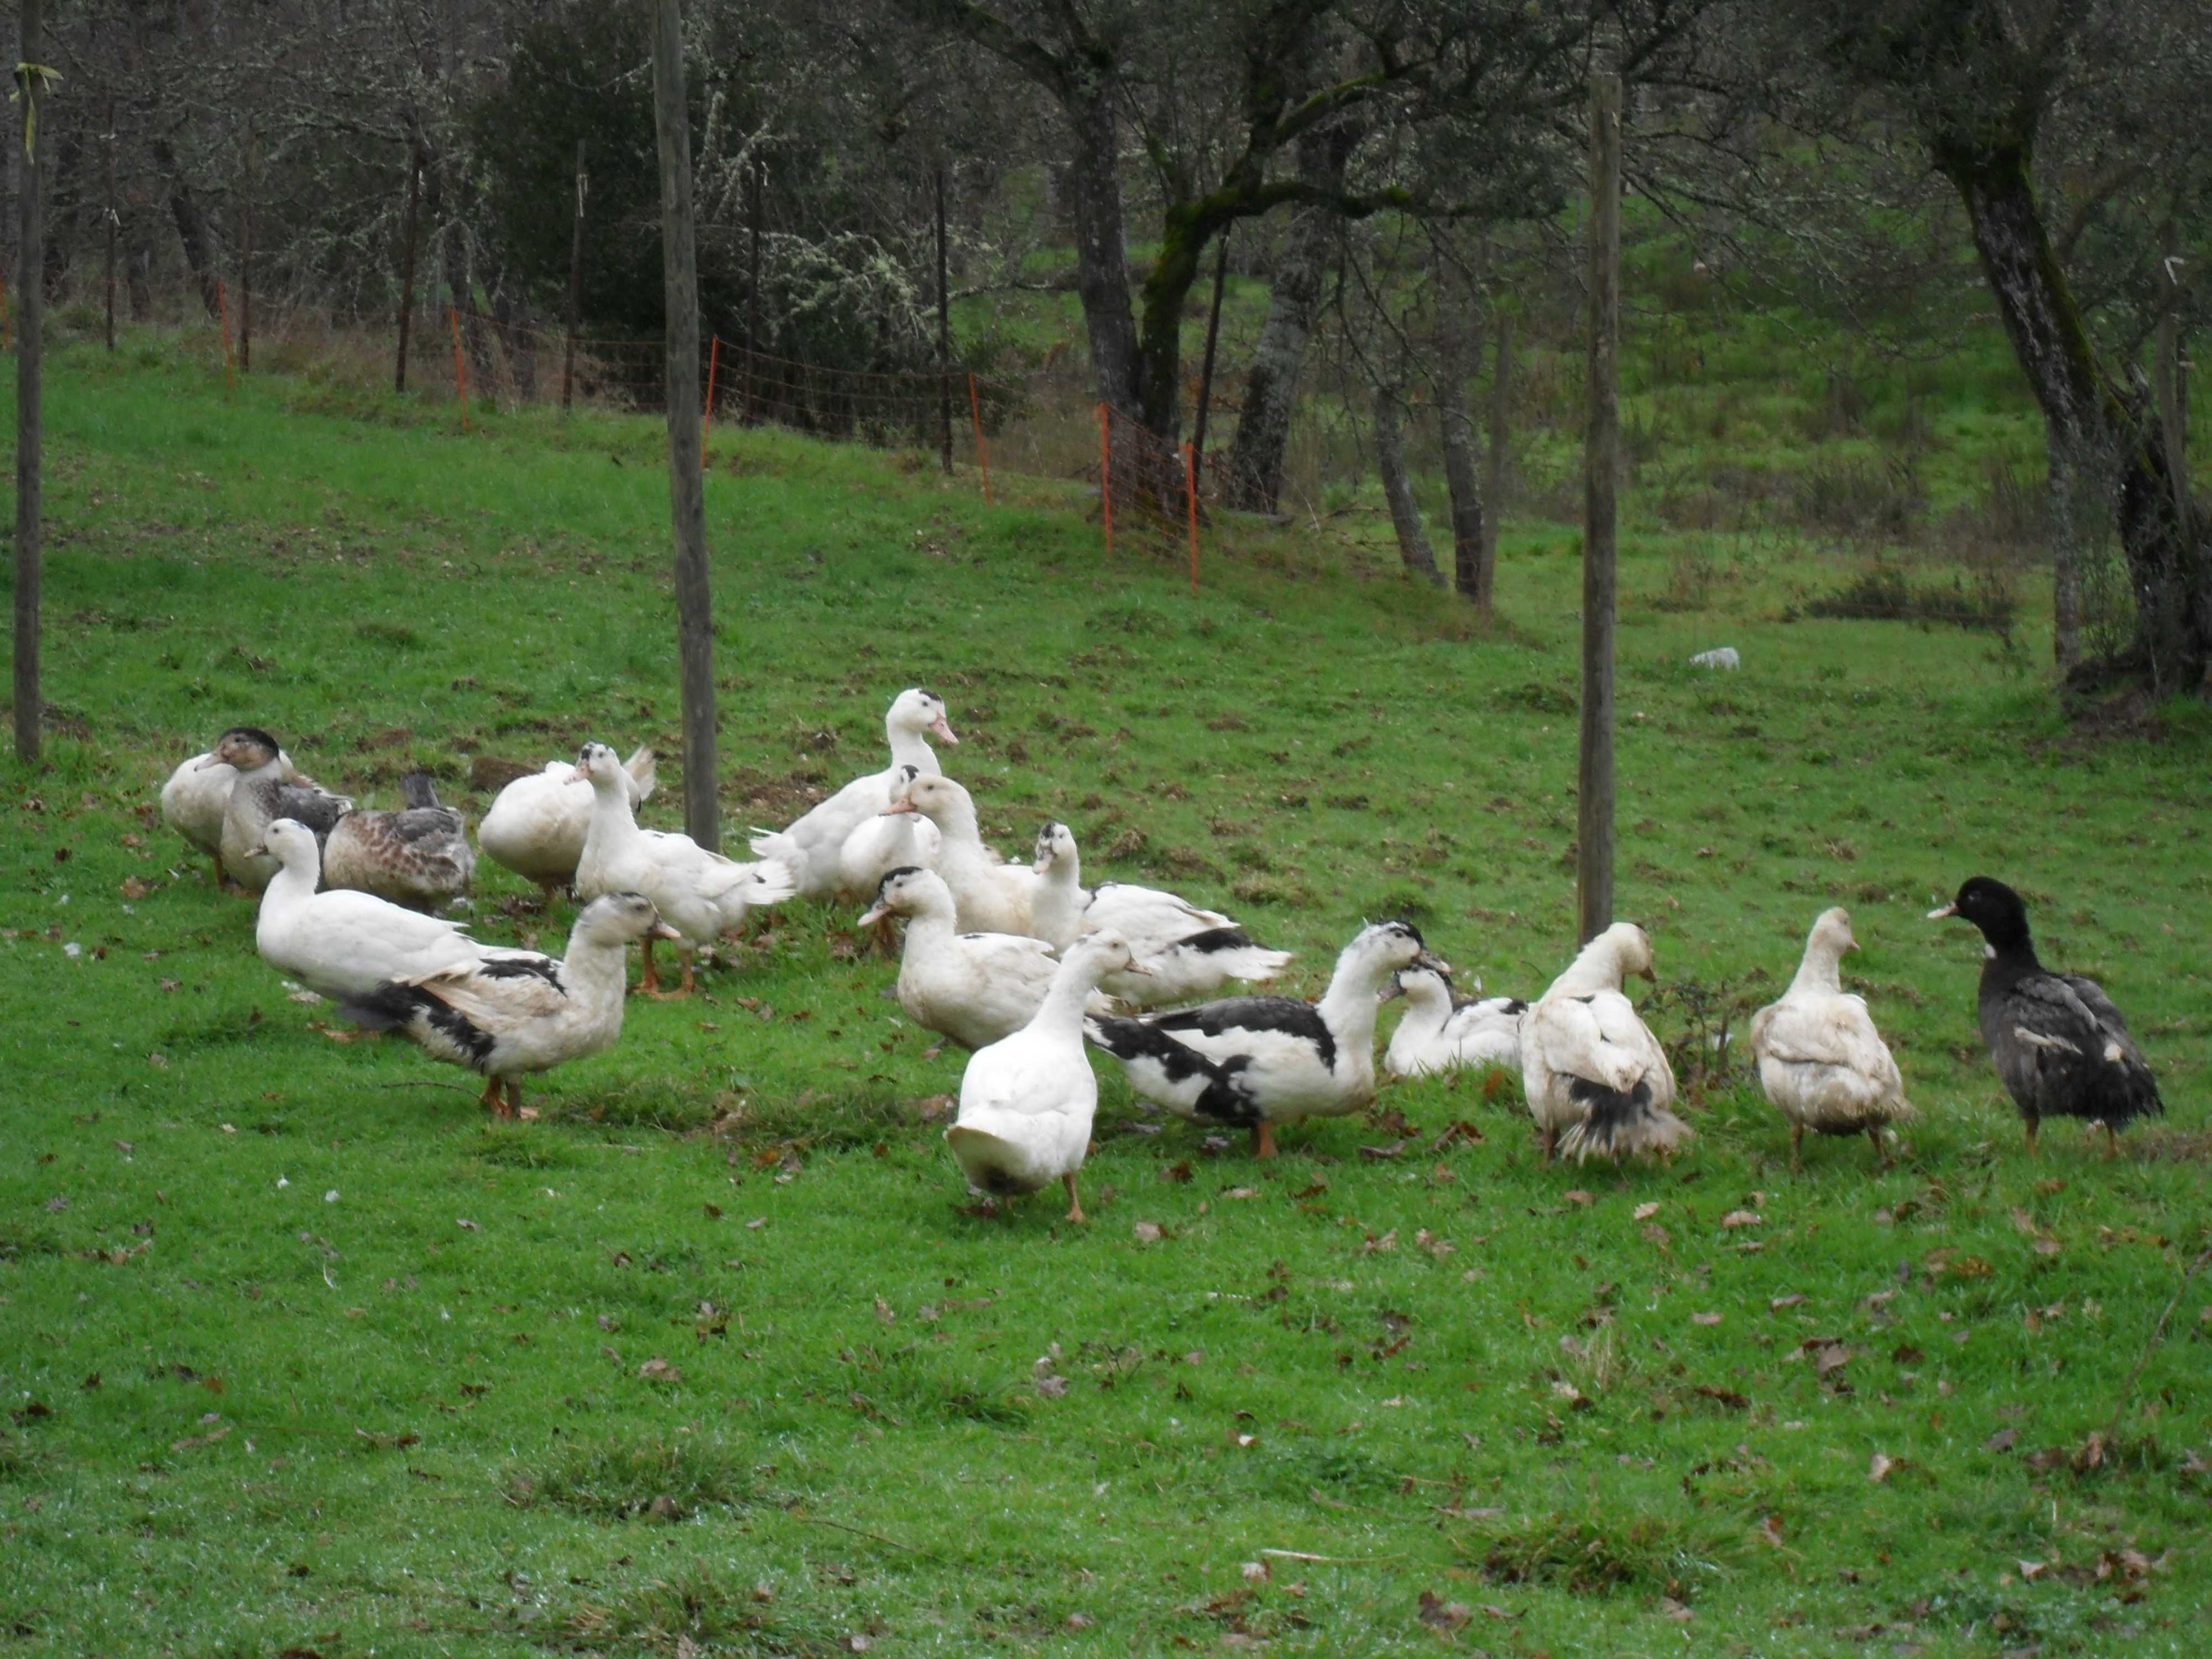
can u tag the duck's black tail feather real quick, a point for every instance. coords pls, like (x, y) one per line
(1617, 1124)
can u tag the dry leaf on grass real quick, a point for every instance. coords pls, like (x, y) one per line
(1439, 1614)
(1743, 1218)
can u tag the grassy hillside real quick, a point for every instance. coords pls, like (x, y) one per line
(715, 1357)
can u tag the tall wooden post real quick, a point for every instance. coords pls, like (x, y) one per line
(752, 281)
(944, 337)
(1493, 482)
(407, 260)
(575, 279)
(1205, 372)
(695, 616)
(245, 261)
(30, 300)
(1601, 468)
(114, 220)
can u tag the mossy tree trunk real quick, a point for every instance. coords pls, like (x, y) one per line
(2162, 537)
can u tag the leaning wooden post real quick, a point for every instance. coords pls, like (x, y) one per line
(113, 221)
(1190, 504)
(1213, 336)
(245, 261)
(687, 502)
(982, 455)
(1601, 466)
(31, 258)
(706, 414)
(1493, 483)
(944, 337)
(407, 260)
(575, 280)
(752, 282)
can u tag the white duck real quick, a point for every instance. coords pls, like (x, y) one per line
(521, 1012)
(1027, 1101)
(1596, 1080)
(1187, 952)
(197, 795)
(992, 895)
(537, 825)
(260, 796)
(974, 988)
(342, 942)
(1440, 1030)
(1257, 1061)
(1820, 1060)
(814, 844)
(702, 895)
(887, 842)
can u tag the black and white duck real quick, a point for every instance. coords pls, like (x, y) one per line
(1596, 1080)
(1258, 1061)
(1820, 1060)
(2060, 1045)
(520, 1012)
(1187, 952)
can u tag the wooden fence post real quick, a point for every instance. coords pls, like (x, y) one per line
(983, 456)
(245, 260)
(575, 280)
(1190, 504)
(944, 336)
(114, 220)
(706, 414)
(31, 258)
(407, 260)
(460, 364)
(758, 189)
(1601, 467)
(222, 315)
(687, 501)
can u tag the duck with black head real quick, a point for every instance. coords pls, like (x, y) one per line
(2060, 1045)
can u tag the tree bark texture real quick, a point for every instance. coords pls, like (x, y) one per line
(1494, 483)
(687, 502)
(191, 220)
(1271, 382)
(30, 317)
(1398, 486)
(1102, 256)
(1456, 351)
(2164, 541)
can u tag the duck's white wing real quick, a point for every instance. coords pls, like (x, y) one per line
(1131, 909)
(502, 991)
(1585, 1037)
(1825, 1030)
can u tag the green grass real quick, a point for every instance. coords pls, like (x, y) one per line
(417, 1415)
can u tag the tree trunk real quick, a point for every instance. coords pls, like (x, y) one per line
(192, 224)
(695, 615)
(2169, 563)
(1398, 487)
(2073, 504)
(1102, 257)
(1455, 353)
(1271, 384)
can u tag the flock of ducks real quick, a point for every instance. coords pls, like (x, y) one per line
(1026, 966)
